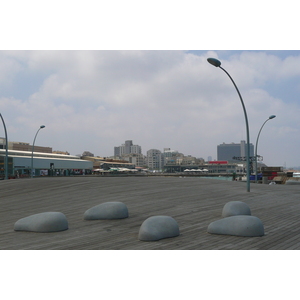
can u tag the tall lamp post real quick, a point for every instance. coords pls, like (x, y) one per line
(41, 127)
(6, 150)
(215, 62)
(270, 118)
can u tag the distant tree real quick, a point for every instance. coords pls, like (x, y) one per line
(61, 152)
(87, 153)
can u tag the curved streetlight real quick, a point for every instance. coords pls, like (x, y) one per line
(270, 118)
(41, 127)
(6, 150)
(215, 62)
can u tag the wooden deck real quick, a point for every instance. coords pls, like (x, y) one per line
(193, 202)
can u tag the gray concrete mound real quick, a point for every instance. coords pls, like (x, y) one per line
(292, 182)
(241, 225)
(235, 208)
(107, 211)
(158, 227)
(43, 222)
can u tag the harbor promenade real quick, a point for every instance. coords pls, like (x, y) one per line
(193, 202)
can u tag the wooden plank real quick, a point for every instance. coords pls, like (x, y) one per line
(193, 202)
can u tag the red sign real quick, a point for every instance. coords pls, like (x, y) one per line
(218, 162)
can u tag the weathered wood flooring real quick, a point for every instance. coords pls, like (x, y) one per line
(193, 202)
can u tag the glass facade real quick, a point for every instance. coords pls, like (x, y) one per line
(228, 151)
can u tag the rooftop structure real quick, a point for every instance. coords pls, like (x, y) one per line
(22, 146)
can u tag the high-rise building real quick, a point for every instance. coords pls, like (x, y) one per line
(228, 151)
(127, 148)
(128, 145)
(135, 149)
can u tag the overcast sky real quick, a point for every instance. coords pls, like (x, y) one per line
(95, 100)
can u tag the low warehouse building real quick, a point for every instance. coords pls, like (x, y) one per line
(19, 164)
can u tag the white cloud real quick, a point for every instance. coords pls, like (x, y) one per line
(95, 100)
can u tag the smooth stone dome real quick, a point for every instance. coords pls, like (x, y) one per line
(107, 211)
(234, 208)
(43, 222)
(157, 228)
(292, 182)
(241, 225)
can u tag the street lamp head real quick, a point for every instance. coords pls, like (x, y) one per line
(42, 126)
(272, 117)
(215, 62)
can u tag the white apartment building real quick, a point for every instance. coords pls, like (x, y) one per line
(154, 159)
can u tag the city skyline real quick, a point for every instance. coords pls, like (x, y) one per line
(229, 155)
(90, 100)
